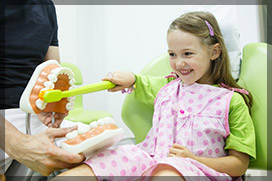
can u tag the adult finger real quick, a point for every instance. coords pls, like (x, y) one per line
(60, 132)
(58, 164)
(58, 119)
(68, 157)
(45, 117)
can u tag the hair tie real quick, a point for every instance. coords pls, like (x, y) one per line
(129, 90)
(173, 75)
(243, 91)
(210, 28)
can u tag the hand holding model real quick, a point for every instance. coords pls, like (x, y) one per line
(39, 152)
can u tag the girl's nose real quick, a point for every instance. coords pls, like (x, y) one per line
(180, 64)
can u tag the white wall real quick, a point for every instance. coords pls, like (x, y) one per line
(104, 38)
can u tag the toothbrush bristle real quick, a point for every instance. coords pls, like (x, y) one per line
(41, 94)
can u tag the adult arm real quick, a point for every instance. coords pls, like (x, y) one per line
(52, 53)
(37, 152)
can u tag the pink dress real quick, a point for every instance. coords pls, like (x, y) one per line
(195, 116)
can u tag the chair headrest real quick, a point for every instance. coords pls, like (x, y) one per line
(232, 40)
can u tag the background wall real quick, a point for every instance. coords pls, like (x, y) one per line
(104, 38)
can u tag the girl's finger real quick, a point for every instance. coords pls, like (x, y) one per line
(178, 146)
(117, 88)
(173, 150)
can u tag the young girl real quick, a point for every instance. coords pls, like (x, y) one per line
(201, 121)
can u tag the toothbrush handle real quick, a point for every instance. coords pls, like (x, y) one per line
(104, 85)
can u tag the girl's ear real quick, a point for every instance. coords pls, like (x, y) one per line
(216, 51)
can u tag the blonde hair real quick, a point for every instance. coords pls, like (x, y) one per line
(194, 22)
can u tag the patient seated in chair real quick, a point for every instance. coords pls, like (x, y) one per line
(201, 122)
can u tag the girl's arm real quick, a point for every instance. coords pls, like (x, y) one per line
(147, 86)
(235, 164)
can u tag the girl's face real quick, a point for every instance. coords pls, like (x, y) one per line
(188, 58)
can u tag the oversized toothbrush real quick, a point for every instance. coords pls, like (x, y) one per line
(51, 89)
(55, 95)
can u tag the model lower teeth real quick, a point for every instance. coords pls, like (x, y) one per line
(85, 128)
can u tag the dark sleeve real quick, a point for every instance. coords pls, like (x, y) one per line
(54, 22)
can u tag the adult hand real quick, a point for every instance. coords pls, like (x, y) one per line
(39, 152)
(46, 118)
(122, 80)
(180, 151)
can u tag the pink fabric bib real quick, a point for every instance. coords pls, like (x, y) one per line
(195, 116)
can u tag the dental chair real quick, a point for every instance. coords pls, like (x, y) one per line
(138, 116)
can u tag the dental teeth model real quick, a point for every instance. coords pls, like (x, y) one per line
(96, 136)
(48, 75)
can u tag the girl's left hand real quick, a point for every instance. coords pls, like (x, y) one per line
(180, 151)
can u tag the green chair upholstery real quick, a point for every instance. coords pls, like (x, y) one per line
(79, 114)
(138, 116)
(254, 78)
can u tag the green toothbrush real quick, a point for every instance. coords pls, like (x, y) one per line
(55, 95)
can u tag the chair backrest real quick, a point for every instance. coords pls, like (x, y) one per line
(254, 78)
(78, 81)
(138, 116)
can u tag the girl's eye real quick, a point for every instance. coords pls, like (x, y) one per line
(172, 54)
(188, 53)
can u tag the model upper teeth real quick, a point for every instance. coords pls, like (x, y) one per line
(52, 78)
(40, 104)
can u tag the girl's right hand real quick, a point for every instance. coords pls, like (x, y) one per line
(122, 80)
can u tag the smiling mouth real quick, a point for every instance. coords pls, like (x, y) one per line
(186, 72)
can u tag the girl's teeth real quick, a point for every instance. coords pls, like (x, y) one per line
(184, 72)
